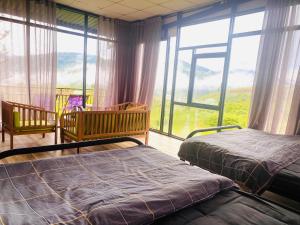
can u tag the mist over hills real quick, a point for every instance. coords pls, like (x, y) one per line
(70, 65)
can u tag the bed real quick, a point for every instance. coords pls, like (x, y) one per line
(256, 160)
(137, 185)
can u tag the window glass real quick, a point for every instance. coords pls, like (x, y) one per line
(208, 80)
(205, 33)
(169, 83)
(158, 90)
(183, 75)
(13, 9)
(70, 21)
(69, 67)
(92, 26)
(240, 80)
(249, 22)
(91, 69)
(13, 84)
(187, 119)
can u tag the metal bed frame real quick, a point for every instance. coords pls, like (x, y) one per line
(218, 129)
(49, 148)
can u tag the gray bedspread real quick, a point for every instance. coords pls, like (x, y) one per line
(128, 186)
(248, 156)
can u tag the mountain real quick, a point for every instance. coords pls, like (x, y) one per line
(69, 59)
(185, 68)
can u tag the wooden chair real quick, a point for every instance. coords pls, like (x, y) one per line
(22, 119)
(88, 125)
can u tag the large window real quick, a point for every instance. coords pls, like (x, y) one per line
(76, 51)
(214, 74)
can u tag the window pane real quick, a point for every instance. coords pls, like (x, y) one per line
(13, 9)
(249, 22)
(205, 33)
(169, 83)
(91, 70)
(183, 75)
(158, 91)
(92, 25)
(69, 67)
(70, 21)
(208, 80)
(187, 119)
(240, 80)
(13, 84)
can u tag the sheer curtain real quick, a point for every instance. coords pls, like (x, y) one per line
(13, 67)
(105, 77)
(145, 40)
(275, 103)
(43, 55)
(28, 54)
(126, 62)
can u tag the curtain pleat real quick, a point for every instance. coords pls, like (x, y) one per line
(126, 68)
(43, 55)
(276, 96)
(105, 76)
(28, 54)
(13, 63)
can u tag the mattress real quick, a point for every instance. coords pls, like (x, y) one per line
(250, 157)
(287, 182)
(124, 186)
(232, 208)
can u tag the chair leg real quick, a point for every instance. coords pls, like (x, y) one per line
(55, 136)
(62, 136)
(11, 141)
(3, 135)
(78, 150)
(147, 138)
(44, 135)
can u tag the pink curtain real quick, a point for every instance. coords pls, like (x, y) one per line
(105, 77)
(275, 103)
(150, 48)
(126, 61)
(28, 54)
(145, 38)
(43, 55)
(13, 63)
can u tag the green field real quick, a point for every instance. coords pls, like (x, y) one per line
(187, 119)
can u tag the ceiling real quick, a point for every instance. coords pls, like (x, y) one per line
(132, 10)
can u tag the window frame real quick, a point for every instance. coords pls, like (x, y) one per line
(227, 55)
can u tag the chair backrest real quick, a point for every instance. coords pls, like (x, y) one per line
(128, 106)
(17, 115)
(93, 124)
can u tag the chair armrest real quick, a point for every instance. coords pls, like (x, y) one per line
(26, 106)
(219, 128)
(116, 107)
